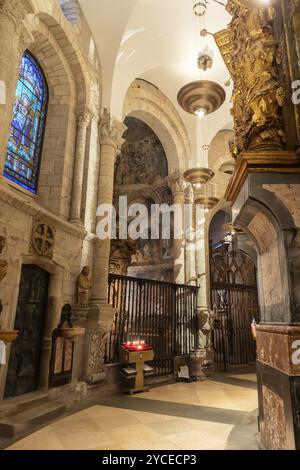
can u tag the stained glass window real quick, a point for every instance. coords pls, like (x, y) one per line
(27, 127)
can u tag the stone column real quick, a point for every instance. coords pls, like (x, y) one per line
(101, 314)
(200, 255)
(111, 132)
(190, 262)
(177, 186)
(14, 39)
(84, 117)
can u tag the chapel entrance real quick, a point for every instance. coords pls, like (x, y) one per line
(234, 300)
(24, 361)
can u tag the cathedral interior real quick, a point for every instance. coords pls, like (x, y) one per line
(118, 120)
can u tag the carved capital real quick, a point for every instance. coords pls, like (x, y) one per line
(177, 185)
(84, 116)
(16, 10)
(111, 130)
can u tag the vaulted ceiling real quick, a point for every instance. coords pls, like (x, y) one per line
(158, 41)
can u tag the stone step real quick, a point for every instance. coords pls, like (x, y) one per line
(31, 418)
(19, 404)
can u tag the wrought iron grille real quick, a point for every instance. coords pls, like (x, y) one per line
(234, 300)
(160, 313)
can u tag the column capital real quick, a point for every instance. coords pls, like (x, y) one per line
(177, 184)
(84, 116)
(16, 10)
(111, 130)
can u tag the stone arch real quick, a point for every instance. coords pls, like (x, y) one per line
(63, 33)
(55, 178)
(271, 227)
(147, 103)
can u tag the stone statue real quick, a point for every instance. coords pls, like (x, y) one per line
(84, 286)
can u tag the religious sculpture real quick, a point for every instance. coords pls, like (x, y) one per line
(84, 286)
(95, 369)
(253, 58)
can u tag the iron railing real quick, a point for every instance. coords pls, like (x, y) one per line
(161, 313)
(234, 300)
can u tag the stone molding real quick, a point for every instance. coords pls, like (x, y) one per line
(283, 162)
(16, 10)
(275, 347)
(33, 209)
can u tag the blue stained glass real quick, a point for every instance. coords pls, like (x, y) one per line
(28, 124)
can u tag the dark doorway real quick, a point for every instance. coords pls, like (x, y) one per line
(234, 300)
(24, 362)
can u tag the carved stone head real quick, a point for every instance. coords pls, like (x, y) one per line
(86, 271)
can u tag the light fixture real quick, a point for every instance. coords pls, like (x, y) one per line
(198, 177)
(207, 202)
(201, 97)
(201, 112)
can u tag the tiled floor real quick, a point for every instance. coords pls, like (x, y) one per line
(219, 413)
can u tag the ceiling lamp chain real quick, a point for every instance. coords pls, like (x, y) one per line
(202, 97)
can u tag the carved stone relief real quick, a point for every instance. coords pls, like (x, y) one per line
(253, 58)
(97, 352)
(43, 239)
(142, 159)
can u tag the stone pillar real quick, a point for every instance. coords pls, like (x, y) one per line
(14, 39)
(190, 261)
(200, 256)
(177, 186)
(84, 117)
(111, 132)
(101, 314)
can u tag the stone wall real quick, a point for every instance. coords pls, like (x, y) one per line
(64, 47)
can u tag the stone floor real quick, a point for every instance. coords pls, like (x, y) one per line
(220, 413)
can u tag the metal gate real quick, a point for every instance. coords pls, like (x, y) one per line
(160, 313)
(234, 301)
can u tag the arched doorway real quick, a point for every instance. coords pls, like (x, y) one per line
(234, 295)
(25, 356)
